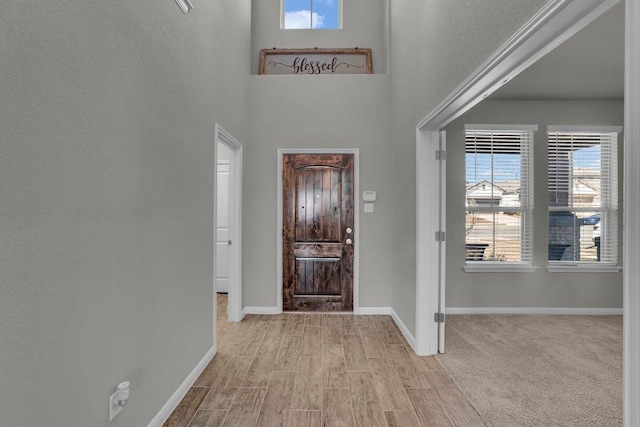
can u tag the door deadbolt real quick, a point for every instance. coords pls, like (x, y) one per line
(349, 230)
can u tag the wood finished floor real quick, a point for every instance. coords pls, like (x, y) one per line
(319, 370)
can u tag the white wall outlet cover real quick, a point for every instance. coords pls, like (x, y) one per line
(113, 408)
(119, 399)
(369, 196)
(368, 208)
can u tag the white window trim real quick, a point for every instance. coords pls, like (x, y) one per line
(508, 266)
(583, 129)
(583, 266)
(499, 127)
(499, 267)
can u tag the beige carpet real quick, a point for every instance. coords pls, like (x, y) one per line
(538, 370)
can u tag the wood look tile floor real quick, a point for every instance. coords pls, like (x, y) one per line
(314, 369)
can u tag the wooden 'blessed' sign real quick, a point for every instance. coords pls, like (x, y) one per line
(315, 61)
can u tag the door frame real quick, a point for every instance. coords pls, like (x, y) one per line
(356, 218)
(234, 307)
(552, 25)
(631, 206)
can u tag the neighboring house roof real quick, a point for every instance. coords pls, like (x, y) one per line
(484, 190)
(510, 186)
(471, 185)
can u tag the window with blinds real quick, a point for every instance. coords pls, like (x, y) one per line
(583, 194)
(499, 193)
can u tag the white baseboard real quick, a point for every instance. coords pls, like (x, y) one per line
(534, 310)
(260, 310)
(403, 328)
(367, 311)
(179, 394)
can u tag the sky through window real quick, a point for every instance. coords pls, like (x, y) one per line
(311, 14)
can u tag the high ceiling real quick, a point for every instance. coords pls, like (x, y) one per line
(590, 65)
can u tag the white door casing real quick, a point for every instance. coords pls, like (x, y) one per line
(442, 250)
(631, 206)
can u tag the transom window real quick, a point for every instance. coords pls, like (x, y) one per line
(311, 14)
(583, 194)
(499, 193)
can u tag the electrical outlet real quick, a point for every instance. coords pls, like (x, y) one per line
(114, 409)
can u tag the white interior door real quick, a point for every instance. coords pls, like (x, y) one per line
(223, 237)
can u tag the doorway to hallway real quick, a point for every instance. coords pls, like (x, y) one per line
(228, 222)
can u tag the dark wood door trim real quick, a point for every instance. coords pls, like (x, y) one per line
(329, 249)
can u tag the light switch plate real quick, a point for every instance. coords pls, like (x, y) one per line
(368, 208)
(369, 196)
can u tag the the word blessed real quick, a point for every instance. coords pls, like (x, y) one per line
(303, 65)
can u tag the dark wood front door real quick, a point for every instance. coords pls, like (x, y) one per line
(317, 232)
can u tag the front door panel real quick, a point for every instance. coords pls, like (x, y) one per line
(318, 232)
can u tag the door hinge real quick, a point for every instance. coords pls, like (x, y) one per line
(441, 155)
(438, 317)
(440, 236)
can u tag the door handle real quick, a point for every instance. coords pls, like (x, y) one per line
(349, 230)
(349, 241)
(229, 242)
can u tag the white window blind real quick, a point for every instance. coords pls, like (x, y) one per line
(583, 194)
(499, 193)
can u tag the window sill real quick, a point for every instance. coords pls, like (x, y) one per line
(498, 267)
(583, 268)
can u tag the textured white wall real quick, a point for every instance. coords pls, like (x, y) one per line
(435, 45)
(107, 113)
(539, 289)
